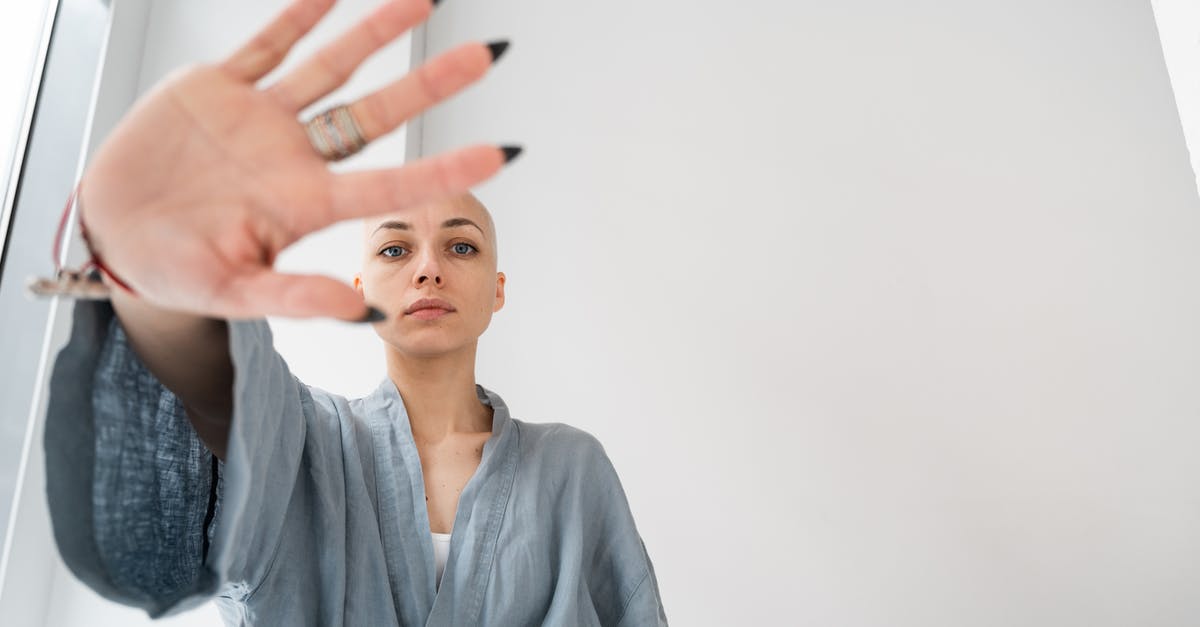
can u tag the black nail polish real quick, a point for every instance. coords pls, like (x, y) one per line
(511, 152)
(372, 315)
(498, 47)
(436, 2)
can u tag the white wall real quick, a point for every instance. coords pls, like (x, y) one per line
(886, 311)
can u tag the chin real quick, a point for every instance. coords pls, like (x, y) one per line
(427, 342)
(424, 349)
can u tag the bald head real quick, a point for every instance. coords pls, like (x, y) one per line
(464, 206)
(468, 201)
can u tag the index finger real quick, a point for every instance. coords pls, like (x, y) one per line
(266, 50)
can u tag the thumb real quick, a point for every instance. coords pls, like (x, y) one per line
(269, 293)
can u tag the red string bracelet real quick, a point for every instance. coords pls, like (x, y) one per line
(94, 260)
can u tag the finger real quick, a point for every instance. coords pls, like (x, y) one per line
(333, 65)
(373, 192)
(445, 75)
(268, 48)
(269, 293)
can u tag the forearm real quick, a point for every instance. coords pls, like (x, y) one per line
(189, 355)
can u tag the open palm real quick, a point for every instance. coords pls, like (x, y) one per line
(209, 177)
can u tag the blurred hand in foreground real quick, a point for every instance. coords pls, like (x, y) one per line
(209, 176)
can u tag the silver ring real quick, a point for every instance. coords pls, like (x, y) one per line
(335, 134)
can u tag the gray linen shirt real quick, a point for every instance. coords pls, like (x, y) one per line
(318, 514)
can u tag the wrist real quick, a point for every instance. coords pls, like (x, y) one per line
(94, 249)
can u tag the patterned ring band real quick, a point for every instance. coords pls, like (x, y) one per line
(335, 133)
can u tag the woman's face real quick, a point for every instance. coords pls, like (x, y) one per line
(446, 251)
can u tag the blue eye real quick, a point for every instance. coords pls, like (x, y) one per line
(394, 251)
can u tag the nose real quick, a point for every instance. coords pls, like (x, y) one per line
(428, 270)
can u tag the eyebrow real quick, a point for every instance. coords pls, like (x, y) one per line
(404, 226)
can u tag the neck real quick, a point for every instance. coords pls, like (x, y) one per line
(439, 393)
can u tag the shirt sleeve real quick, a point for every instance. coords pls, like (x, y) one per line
(645, 606)
(142, 512)
(621, 561)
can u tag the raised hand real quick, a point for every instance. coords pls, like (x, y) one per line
(209, 176)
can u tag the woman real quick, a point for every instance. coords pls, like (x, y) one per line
(185, 461)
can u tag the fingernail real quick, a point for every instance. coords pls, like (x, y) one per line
(373, 315)
(511, 152)
(498, 47)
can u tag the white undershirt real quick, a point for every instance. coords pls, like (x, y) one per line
(441, 550)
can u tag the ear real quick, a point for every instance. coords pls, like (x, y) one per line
(500, 278)
(358, 284)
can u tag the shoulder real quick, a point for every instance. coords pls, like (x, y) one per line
(557, 438)
(560, 447)
(329, 413)
(327, 401)
(334, 413)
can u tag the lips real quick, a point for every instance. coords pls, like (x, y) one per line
(429, 303)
